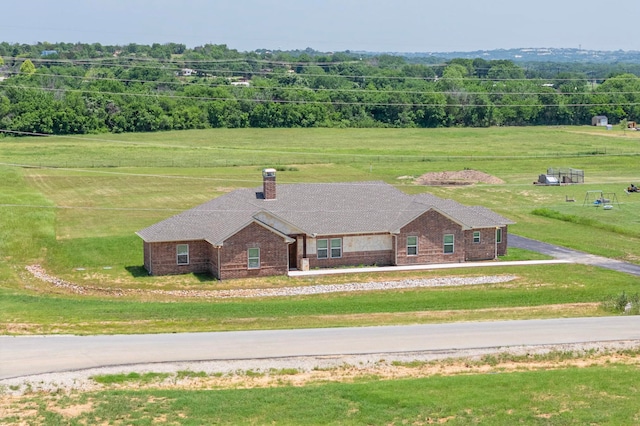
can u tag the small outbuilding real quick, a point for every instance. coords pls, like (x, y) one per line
(599, 120)
(547, 180)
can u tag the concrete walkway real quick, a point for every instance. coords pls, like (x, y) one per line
(488, 263)
(559, 253)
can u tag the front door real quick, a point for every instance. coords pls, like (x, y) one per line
(293, 255)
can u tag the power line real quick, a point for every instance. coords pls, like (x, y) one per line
(182, 84)
(333, 103)
(178, 65)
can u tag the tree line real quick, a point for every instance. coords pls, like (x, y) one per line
(90, 88)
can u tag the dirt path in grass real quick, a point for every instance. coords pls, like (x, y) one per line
(625, 134)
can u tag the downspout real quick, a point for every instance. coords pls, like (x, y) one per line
(287, 256)
(219, 267)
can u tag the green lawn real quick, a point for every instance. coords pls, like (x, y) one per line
(535, 289)
(74, 205)
(602, 395)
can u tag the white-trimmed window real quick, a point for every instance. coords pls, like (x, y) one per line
(448, 243)
(476, 237)
(254, 258)
(498, 235)
(182, 254)
(336, 247)
(326, 248)
(322, 248)
(412, 246)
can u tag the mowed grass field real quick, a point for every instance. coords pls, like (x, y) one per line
(73, 204)
(593, 395)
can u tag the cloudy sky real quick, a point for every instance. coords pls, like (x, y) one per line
(328, 25)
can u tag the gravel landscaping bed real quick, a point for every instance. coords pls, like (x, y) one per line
(39, 272)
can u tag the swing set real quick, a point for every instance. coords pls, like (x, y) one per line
(600, 198)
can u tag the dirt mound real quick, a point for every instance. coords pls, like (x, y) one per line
(462, 177)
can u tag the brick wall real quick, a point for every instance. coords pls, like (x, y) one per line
(502, 247)
(213, 262)
(430, 229)
(485, 249)
(161, 259)
(274, 253)
(269, 185)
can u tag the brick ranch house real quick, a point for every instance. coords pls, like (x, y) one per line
(270, 230)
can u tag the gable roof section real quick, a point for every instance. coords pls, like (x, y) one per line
(223, 238)
(315, 209)
(470, 217)
(416, 210)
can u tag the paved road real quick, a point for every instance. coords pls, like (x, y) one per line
(575, 256)
(28, 355)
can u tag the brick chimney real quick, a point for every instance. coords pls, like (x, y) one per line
(269, 184)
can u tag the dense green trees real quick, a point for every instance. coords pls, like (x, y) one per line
(89, 88)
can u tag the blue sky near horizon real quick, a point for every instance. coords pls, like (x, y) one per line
(327, 25)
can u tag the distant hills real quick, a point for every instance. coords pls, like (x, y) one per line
(535, 55)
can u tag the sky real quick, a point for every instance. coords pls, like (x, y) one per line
(327, 25)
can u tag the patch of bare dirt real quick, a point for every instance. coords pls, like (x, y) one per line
(16, 407)
(525, 359)
(394, 371)
(71, 411)
(461, 177)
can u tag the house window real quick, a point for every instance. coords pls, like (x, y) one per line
(326, 248)
(476, 237)
(412, 246)
(448, 243)
(254, 258)
(182, 254)
(498, 235)
(336, 247)
(322, 247)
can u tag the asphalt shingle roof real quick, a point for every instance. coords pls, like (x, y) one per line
(320, 208)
